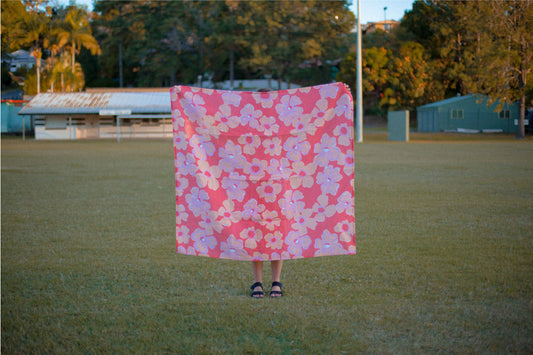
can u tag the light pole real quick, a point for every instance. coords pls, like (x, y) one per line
(359, 83)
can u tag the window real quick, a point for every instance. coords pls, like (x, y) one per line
(505, 114)
(457, 114)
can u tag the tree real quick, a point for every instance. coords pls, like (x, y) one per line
(76, 33)
(32, 31)
(505, 61)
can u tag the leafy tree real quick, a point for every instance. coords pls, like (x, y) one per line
(76, 33)
(32, 31)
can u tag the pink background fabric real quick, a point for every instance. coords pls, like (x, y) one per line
(264, 176)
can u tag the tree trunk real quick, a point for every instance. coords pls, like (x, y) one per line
(73, 66)
(522, 81)
(120, 67)
(231, 64)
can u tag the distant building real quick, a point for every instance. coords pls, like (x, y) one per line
(468, 113)
(372, 27)
(19, 59)
(105, 113)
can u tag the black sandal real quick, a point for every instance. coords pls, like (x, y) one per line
(257, 294)
(276, 293)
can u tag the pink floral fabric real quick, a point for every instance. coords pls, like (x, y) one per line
(264, 175)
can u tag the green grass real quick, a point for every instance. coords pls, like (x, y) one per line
(444, 263)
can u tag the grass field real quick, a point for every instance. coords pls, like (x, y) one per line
(444, 263)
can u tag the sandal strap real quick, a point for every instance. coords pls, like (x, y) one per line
(255, 285)
(277, 283)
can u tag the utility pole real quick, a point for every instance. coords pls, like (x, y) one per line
(359, 83)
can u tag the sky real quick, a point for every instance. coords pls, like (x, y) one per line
(371, 10)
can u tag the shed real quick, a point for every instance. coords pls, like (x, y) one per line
(468, 113)
(97, 114)
(11, 121)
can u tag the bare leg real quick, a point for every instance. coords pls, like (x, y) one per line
(276, 266)
(257, 268)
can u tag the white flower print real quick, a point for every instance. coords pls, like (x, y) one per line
(296, 147)
(201, 147)
(297, 242)
(232, 248)
(266, 99)
(225, 119)
(227, 213)
(328, 180)
(206, 126)
(274, 240)
(279, 169)
(208, 175)
(289, 108)
(182, 234)
(323, 209)
(268, 125)
(303, 125)
(210, 222)
(192, 105)
(290, 204)
(249, 142)
(249, 116)
(231, 98)
(269, 190)
(344, 107)
(231, 157)
(186, 165)
(345, 134)
(260, 256)
(181, 185)
(303, 220)
(347, 162)
(177, 120)
(252, 210)
(235, 186)
(181, 215)
(326, 150)
(197, 201)
(203, 241)
(328, 91)
(346, 203)
(251, 236)
(346, 230)
(256, 169)
(180, 140)
(174, 94)
(302, 174)
(272, 146)
(328, 245)
(270, 220)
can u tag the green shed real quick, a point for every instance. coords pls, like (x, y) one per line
(466, 114)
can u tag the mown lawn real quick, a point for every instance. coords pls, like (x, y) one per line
(444, 263)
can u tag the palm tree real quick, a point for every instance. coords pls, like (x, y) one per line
(32, 31)
(76, 32)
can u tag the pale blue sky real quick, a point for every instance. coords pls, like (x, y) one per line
(371, 10)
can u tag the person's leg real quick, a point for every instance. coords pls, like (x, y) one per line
(276, 266)
(257, 268)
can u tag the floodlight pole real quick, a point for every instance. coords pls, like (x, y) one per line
(359, 84)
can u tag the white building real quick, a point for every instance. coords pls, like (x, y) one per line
(19, 59)
(106, 113)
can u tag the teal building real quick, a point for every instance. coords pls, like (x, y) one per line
(467, 114)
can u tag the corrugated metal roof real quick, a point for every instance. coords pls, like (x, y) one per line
(92, 103)
(447, 101)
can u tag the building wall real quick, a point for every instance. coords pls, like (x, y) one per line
(96, 127)
(11, 121)
(466, 114)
